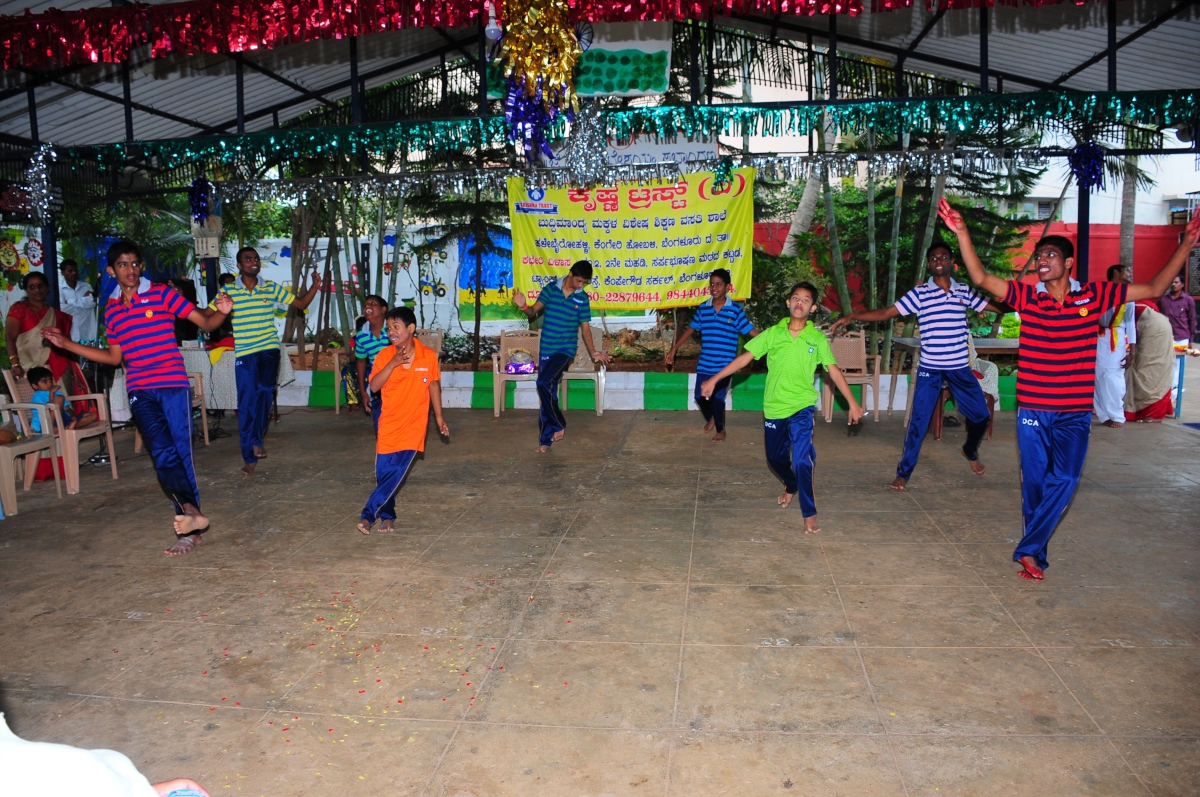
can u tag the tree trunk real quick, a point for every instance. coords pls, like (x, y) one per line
(325, 295)
(939, 189)
(478, 235)
(380, 224)
(806, 209)
(872, 288)
(1128, 208)
(894, 256)
(835, 245)
(396, 252)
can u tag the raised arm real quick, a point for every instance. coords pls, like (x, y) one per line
(882, 314)
(109, 356)
(530, 310)
(989, 282)
(302, 302)
(1158, 286)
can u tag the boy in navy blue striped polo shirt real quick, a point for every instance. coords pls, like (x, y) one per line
(139, 320)
(1056, 371)
(568, 311)
(940, 306)
(719, 321)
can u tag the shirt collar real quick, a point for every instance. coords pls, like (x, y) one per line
(809, 326)
(143, 286)
(953, 284)
(1075, 286)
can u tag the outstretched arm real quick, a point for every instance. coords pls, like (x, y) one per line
(669, 359)
(1162, 280)
(989, 282)
(739, 362)
(835, 373)
(882, 314)
(530, 310)
(302, 302)
(109, 356)
(208, 320)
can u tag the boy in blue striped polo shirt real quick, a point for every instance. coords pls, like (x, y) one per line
(940, 306)
(568, 311)
(256, 346)
(369, 340)
(719, 321)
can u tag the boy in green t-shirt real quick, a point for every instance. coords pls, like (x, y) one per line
(794, 348)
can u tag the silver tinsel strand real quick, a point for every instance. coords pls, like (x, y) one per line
(37, 183)
(587, 149)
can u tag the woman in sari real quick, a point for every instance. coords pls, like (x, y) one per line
(1148, 377)
(23, 327)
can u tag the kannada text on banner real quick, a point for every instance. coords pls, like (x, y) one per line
(650, 245)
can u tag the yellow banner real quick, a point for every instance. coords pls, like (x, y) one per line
(650, 245)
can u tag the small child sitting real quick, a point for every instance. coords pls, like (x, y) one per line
(44, 392)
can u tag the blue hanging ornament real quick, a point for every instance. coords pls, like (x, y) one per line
(1087, 164)
(528, 119)
(200, 200)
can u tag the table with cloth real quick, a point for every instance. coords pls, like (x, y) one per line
(220, 383)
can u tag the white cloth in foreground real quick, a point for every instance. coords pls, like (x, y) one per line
(44, 769)
(80, 303)
(1110, 353)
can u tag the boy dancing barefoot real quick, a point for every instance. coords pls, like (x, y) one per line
(407, 378)
(139, 320)
(719, 321)
(794, 348)
(940, 306)
(1056, 371)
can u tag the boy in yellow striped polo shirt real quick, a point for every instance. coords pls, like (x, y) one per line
(256, 346)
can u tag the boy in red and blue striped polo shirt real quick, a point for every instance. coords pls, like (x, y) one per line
(1056, 371)
(139, 319)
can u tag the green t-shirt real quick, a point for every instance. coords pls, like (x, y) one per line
(791, 365)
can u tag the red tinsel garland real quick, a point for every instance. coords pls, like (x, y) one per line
(195, 27)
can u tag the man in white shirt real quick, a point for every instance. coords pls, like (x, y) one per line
(1118, 333)
(77, 300)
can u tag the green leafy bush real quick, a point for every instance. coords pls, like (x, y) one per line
(1010, 327)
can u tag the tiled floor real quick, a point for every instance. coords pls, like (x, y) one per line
(628, 615)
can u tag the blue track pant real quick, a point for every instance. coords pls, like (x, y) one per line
(968, 398)
(164, 417)
(390, 470)
(791, 455)
(256, 376)
(1053, 446)
(550, 418)
(713, 409)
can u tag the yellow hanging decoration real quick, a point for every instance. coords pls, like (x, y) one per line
(539, 45)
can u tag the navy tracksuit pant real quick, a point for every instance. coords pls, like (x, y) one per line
(256, 375)
(551, 368)
(713, 409)
(791, 455)
(968, 398)
(164, 417)
(1053, 446)
(390, 470)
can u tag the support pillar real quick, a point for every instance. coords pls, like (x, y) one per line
(128, 95)
(984, 81)
(50, 258)
(355, 98)
(240, 73)
(832, 55)
(1112, 45)
(1083, 233)
(33, 123)
(211, 267)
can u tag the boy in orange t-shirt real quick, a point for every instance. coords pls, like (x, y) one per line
(407, 377)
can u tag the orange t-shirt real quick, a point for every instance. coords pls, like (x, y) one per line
(404, 418)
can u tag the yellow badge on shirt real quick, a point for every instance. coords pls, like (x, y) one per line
(149, 314)
(1083, 312)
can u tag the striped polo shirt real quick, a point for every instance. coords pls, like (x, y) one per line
(560, 324)
(145, 331)
(254, 314)
(942, 317)
(366, 345)
(1056, 365)
(719, 334)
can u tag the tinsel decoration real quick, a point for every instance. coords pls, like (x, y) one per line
(200, 200)
(37, 183)
(587, 148)
(540, 51)
(1087, 164)
(722, 173)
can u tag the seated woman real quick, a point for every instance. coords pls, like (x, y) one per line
(24, 324)
(46, 392)
(1149, 376)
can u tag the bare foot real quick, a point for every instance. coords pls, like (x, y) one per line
(899, 484)
(1030, 570)
(783, 500)
(1113, 424)
(1150, 420)
(183, 545)
(708, 427)
(811, 526)
(248, 468)
(976, 465)
(191, 520)
(260, 452)
(559, 435)
(387, 527)
(719, 436)
(542, 449)
(364, 526)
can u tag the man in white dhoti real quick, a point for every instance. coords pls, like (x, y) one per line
(1117, 333)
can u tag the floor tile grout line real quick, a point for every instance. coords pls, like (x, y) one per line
(867, 677)
(514, 627)
(673, 734)
(1038, 652)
